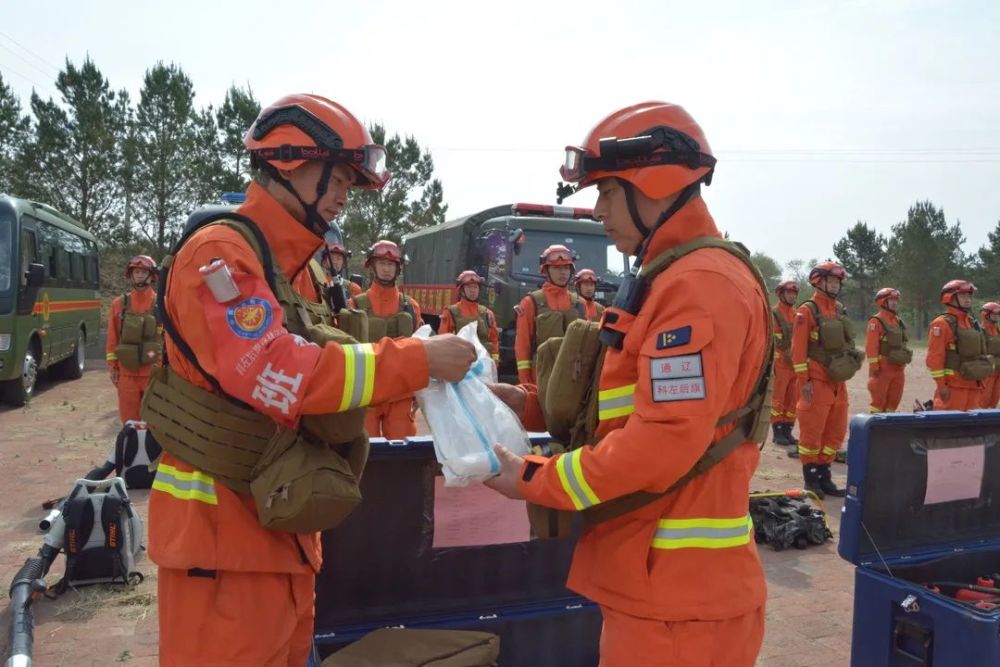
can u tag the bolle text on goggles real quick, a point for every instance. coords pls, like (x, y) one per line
(369, 161)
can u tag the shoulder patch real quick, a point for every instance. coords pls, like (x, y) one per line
(673, 338)
(872, 326)
(935, 331)
(250, 318)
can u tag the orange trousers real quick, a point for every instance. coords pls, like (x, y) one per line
(392, 421)
(235, 619)
(962, 398)
(786, 394)
(628, 641)
(991, 393)
(886, 388)
(822, 422)
(130, 391)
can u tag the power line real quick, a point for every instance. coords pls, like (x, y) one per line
(23, 59)
(35, 84)
(29, 51)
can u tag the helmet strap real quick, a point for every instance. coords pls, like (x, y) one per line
(313, 221)
(683, 198)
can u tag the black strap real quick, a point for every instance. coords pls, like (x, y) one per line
(120, 450)
(111, 522)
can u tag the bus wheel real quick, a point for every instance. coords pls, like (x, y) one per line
(72, 368)
(19, 391)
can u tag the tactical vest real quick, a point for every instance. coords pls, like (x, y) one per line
(892, 345)
(303, 479)
(482, 328)
(992, 343)
(598, 309)
(400, 324)
(139, 341)
(751, 419)
(783, 336)
(552, 323)
(834, 347)
(969, 358)
(351, 321)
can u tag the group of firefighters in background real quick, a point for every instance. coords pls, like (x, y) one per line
(963, 357)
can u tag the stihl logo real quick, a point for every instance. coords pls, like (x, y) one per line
(72, 540)
(113, 536)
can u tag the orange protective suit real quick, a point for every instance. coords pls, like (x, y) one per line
(953, 392)
(885, 380)
(131, 383)
(786, 386)
(823, 420)
(991, 385)
(245, 590)
(394, 420)
(659, 572)
(525, 345)
(592, 310)
(469, 309)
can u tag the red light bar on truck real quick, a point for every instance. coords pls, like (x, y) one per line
(552, 211)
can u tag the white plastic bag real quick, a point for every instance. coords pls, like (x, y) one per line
(467, 419)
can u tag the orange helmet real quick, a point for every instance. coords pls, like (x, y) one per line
(990, 308)
(300, 128)
(338, 249)
(584, 275)
(466, 277)
(884, 295)
(555, 255)
(824, 269)
(141, 262)
(384, 250)
(656, 146)
(953, 287)
(786, 286)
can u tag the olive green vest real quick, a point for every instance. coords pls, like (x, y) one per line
(553, 323)
(969, 358)
(351, 321)
(139, 342)
(992, 343)
(482, 328)
(892, 346)
(782, 342)
(400, 324)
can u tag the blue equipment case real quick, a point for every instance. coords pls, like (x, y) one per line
(381, 570)
(899, 543)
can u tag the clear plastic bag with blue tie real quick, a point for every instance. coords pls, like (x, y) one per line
(467, 419)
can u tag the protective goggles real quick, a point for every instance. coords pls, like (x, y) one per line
(558, 256)
(661, 146)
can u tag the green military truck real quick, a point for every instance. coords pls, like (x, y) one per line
(50, 304)
(502, 244)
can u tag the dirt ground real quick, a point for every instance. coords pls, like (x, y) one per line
(70, 426)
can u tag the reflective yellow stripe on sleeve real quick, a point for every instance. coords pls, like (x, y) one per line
(111, 356)
(523, 364)
(616, 402)
(801, 368)
(194, 485)
(573, 482)
(703, 533)
(359, 376)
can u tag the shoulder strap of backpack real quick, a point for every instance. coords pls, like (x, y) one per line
(78, 513)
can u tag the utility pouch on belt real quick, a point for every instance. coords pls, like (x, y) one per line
(129, 356)
(900, 356)
(977, 369)
(843, 366)
(401, 647)
(354, 323)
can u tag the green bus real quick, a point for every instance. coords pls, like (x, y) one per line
(50, 303)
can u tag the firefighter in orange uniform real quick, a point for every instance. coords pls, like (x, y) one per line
(675, 364)
(545, 313)
(231, 592)
(585, 282)
(887, 353)
(334, 260)
(133, 345)
(824, 358)
(468, 309)
(991, 316)
(956, 348)
(392, 314)
(786, 386)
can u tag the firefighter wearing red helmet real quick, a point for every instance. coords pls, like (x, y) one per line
(824, 358)
(786, 386)
(467, 309)
(585, 283)
(247, 344)
(887, 353)
(545, 313)
(333, 259)
(662, 543)
(390, 313)
(956, 351)
(134, 346)
(991, 329)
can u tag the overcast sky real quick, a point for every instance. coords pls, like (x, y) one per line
(821, 113)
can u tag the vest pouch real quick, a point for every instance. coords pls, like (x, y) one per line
(843, 366)
(970, 344)
(354, 323)
(993, 346)
(128, 356)
(377, 329)
(545, 361)
(550, 324)
(977, 369)
(149, 326)
(133, 325)
(548, 523)
(303, 486)
(572, 374)
(399, 325)
(151, 351)
(336, 427)
(900, 356)
(833, 335)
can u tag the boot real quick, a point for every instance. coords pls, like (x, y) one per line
(826, 483)
(779, 437)
(811, 475)
(793, 453)
(788, 433)
(840, 456)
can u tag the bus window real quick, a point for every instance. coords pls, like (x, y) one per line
(29, 254)
(6, 255)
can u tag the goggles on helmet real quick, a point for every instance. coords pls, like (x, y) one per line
(661, 146)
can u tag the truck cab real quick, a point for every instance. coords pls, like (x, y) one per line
(502, 244)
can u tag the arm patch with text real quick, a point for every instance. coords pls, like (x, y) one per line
(678, 378)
